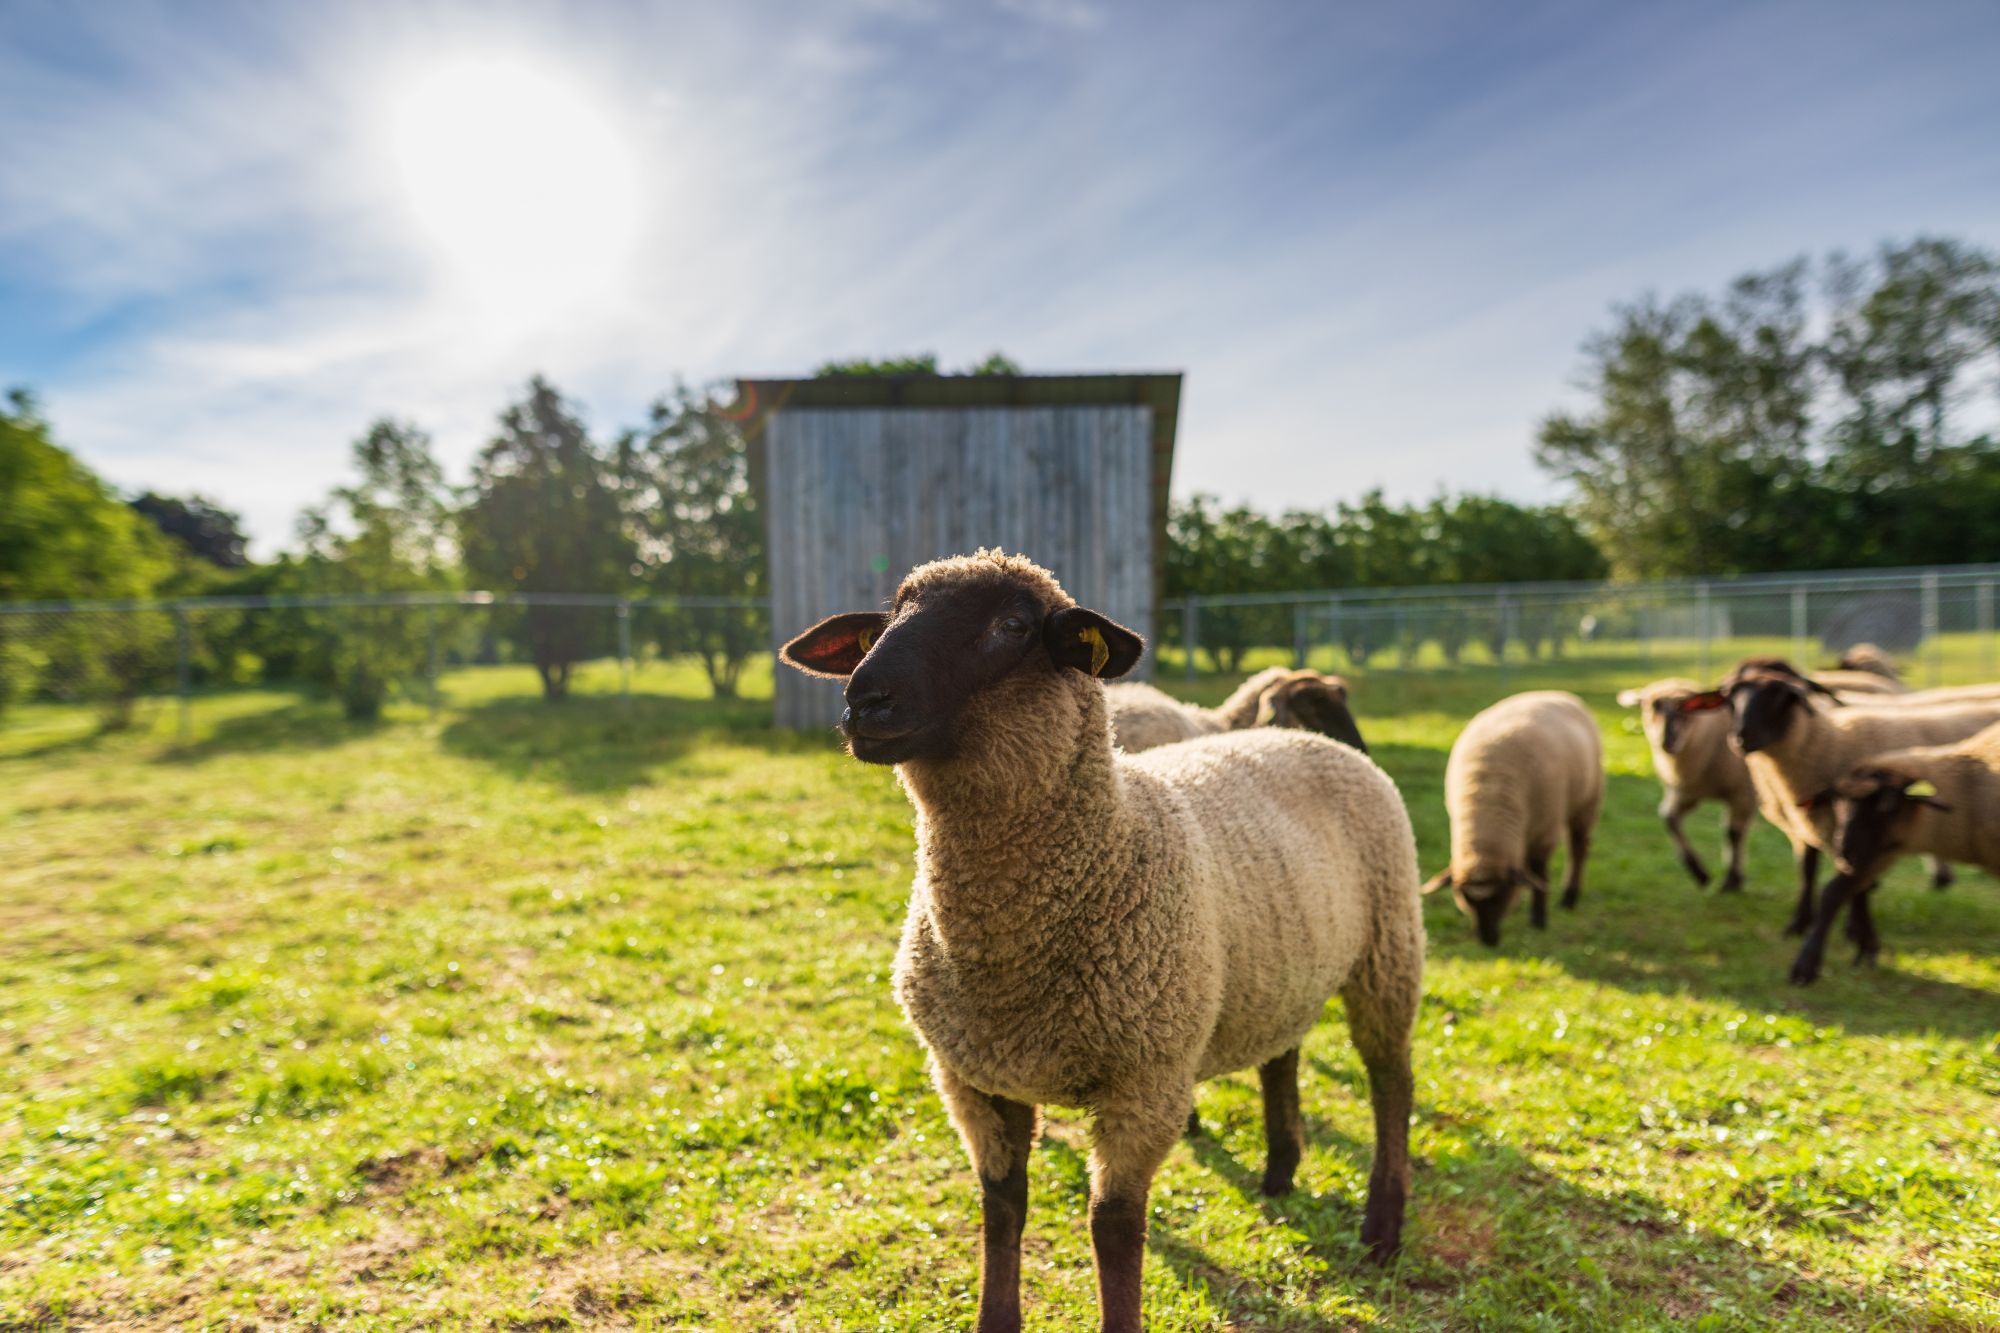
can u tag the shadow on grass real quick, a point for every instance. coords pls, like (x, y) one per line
(1491, 1235)
(602, 743)
(306, 723)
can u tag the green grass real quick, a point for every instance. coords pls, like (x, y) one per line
(528, 1018)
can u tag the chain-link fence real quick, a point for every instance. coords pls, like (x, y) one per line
(371, 653)
(1938, 622)
(107, 661)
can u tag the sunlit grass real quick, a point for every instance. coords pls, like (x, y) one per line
(527, 1017)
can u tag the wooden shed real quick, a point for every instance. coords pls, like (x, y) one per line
(863, 478)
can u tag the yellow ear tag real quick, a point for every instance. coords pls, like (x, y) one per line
(1921, 787)
(1100, 652)
(866, 638)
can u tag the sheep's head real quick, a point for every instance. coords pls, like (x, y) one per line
(1310, 701)
(1875, 810)
(1666, 722)
(1764, 697)
(1485, 893)
(961, 657)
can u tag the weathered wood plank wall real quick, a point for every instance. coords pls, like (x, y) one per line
(856, 497)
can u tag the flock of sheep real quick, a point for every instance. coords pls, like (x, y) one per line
(1119, 895)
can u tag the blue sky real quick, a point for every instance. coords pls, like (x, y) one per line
(1373, 236)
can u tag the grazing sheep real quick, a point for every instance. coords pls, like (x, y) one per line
(1837, 681)
(1940, 799)
(1692, 756)
(1144, 718)
(1523, 775)
(1797, 749)
(1867, 657)
(1094, 929)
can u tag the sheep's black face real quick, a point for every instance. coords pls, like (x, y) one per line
(912, 672)
(1761, 712)
(1673, 723)
(1486, 902)
(1873, 813)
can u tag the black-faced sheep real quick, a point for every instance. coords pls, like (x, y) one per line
(1523, 776)
(1094, 929)
(1692, 756)
(1797, 748)
(1943, 800)
(1145, 718)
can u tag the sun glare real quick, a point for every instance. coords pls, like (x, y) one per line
(521, 184)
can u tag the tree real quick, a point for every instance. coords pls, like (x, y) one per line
(65, 536)
(1723, 436)
(201, 527)
(696, 530)
(387, 532)
(916, 363)
(543, 516)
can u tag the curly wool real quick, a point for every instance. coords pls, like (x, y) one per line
(1088, 928)
(1145, 718)
(1520, 776)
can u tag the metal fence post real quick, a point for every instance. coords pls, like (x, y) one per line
(431, 656)
(1985, 601)
(625, 650)
(1298, 636)
(1706, 631)
(1799, 624)
(184, 672)
(1190, 633)
(1931, 634)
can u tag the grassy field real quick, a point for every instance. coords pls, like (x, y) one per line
(528, 1018)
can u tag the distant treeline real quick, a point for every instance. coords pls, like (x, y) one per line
(1807, 417)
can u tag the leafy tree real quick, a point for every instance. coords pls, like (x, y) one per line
(387, 532)
(917, 363)
(696, 530)
(65, 536)
(544, 516)
(201, 527)
(1758, 431)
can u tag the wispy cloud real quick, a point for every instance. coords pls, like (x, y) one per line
(1372, 238)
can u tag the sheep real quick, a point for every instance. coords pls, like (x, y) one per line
(1857, 682)
(1095, 929)
(1829, 683)
(1692, 756)
(1796, 749)
(1940, 799)
(1143, 718)
(1524, 774)
(1867, 657)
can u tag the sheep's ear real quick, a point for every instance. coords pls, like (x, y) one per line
(1441, 880)
(1924, 792)
(1324, 712)
(1628, 698)
(1528, 881)
(1705, 702)
(835, 646)
(1095, 645)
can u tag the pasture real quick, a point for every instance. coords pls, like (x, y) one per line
(520, 1017)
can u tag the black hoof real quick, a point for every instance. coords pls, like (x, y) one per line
(1193, 1129)
(1569, 899)
(1805, 971)
(1698, 870)
(1796, 926)
(1275, 1187)
(1732, 884)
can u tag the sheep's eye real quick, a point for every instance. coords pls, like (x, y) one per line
(1014, 627)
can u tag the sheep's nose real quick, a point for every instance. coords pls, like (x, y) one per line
(868, 702)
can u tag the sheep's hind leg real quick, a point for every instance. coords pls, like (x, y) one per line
(1802, 915)
(1538, 889)
(1579, 853)
(1381, 1011)
(1284, 1128)
(1739, 829)
(1672, 814)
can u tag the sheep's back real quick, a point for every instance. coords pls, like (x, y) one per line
(1298, 846)
(1518, 773)
(1145, 718)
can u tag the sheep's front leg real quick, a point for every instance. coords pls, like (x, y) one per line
(1284, 1128)
(999, 1136)
(1130, 1140)
(1805, 968)
(1671, 813)
(1579, 852)
(1802, 915)
(1739, 830)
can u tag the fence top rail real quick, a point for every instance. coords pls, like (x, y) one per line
(1944, 577)
(275, 602)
